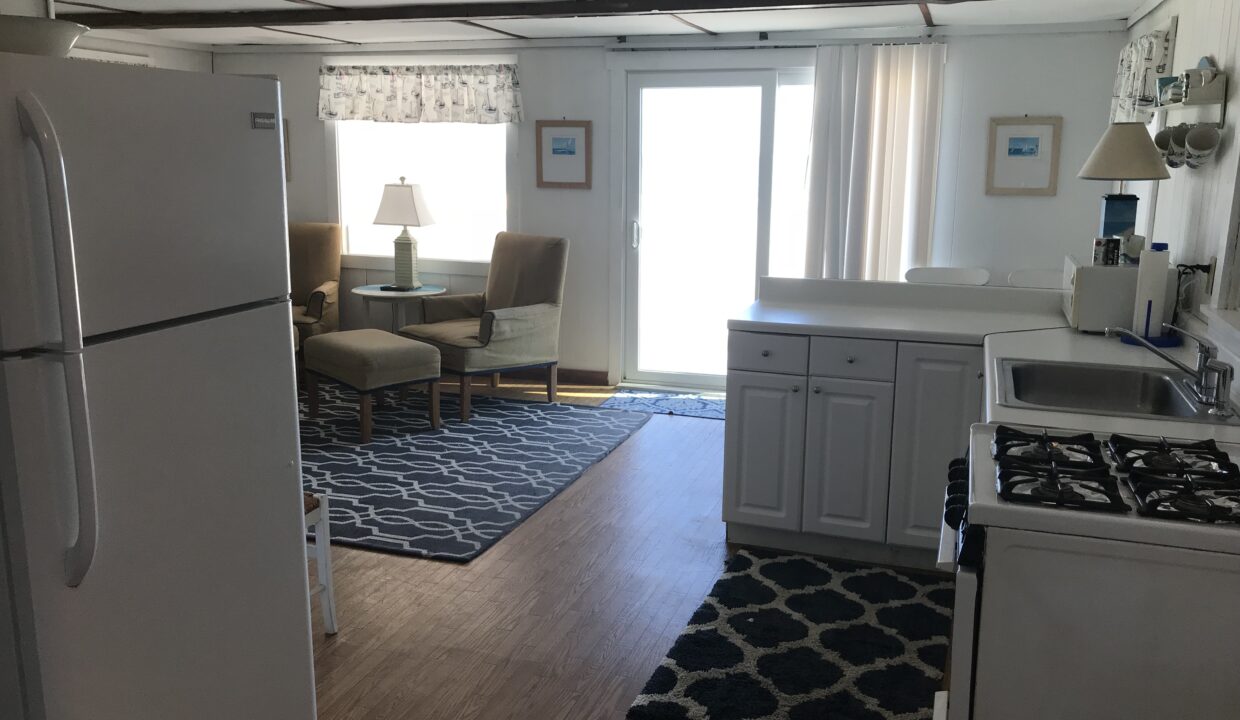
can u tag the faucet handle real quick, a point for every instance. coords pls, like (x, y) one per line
(1204, 345)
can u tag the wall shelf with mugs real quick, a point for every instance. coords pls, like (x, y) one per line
(1198, 99)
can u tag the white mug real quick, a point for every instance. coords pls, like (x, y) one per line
(1162, 141)
(1199, 145)
(1177, 150)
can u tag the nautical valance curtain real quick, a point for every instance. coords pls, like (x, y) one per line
(1141, 63)
(479, 94)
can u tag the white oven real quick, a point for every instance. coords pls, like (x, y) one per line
(1063, 612)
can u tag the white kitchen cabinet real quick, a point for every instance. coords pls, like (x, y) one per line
(847, 450)
(764, 449)
(938, 395)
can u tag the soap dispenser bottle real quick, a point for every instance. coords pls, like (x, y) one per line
(1147, 315)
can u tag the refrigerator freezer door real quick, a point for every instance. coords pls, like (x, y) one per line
(176, 195)
(195, 606)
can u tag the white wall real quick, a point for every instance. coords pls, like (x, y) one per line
(1070, 75)
(1195, 211)
(167, 58)
(555, 83)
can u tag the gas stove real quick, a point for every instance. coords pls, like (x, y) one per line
(1148, 490)
(1192, 481)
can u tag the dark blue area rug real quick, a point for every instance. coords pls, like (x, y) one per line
(792, 637)
(657, 402)
(451, 493)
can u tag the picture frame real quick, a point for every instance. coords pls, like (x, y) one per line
(565, 154)
(1023, 155)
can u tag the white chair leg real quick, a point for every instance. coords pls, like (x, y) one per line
(323, 556)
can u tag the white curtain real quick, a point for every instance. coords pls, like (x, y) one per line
(874, 160)
(480, 94)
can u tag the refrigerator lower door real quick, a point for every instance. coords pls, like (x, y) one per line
(175, 194)
(195, 604)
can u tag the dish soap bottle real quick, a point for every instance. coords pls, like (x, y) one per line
(1147, 316)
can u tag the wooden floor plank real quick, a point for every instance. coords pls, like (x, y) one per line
(566, 617)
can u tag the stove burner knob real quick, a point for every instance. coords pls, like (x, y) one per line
(954, 509)
(766, 353)
(817, 390)
(796, 388)
(958, 487)
(850, 359)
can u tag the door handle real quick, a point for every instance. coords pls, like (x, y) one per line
(37, 125)
(80, 554)
(635, 234)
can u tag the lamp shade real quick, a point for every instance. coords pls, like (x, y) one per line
(1125, 152)
(403, 205)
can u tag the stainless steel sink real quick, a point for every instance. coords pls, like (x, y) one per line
(1101, 390)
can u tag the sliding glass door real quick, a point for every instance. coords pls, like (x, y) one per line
(702, 159)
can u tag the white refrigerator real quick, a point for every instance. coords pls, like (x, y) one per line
(152, 562)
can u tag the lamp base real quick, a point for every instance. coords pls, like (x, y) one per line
(406, 256)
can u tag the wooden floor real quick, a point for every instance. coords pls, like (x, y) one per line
(565, 618)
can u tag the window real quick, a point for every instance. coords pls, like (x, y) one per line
(794, 115)
(463, 171)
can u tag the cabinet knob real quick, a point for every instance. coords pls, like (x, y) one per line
(817, 390)
(796, 388)
(766, 353)
(981, 374)
(850, 359)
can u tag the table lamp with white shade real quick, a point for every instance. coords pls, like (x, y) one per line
(1125, 152)
(404, 205)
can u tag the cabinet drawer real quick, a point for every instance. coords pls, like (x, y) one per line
(852, 358)
(787, 354)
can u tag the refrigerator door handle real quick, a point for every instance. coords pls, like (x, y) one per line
(81, 552)
(37, 125)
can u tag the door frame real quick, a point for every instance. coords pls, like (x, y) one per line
(635, 82)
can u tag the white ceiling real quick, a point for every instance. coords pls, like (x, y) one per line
(593, 26)
(1029, 12)
(983, 12)
(822, 19)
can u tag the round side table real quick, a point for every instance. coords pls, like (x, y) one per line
(396, 298)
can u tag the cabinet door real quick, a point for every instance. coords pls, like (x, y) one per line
(764, 449)
(938, 396)
(847, 455)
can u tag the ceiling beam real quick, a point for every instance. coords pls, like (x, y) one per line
(692, 24)
(497, 31)
(452, 11)
(925, 14)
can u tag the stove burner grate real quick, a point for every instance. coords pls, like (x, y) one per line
(1179, 480)
(1055, 470)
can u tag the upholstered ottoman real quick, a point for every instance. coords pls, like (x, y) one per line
(371, 361)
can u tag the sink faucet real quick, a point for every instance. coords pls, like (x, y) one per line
(1211, 378)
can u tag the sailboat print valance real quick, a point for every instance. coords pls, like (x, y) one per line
(481, 94)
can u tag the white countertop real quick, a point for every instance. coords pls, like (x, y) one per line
(919, 324)
(1066, 345)
(954, 314)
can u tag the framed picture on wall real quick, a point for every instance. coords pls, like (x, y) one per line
(565, 157)
(1023, 158)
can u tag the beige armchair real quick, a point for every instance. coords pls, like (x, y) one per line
(314, 272)
(514, 325)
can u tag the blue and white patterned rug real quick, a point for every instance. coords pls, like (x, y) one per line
(451, 493)
(703, 405)
(792, 637)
